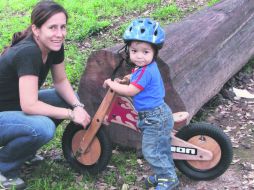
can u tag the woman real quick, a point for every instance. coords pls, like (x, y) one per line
(27, 115)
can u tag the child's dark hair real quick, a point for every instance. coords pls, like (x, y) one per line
(125, 48)
(40, 14)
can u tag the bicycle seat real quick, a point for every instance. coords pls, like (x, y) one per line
(180, 119)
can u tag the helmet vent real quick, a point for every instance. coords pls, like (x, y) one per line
(142, 30)
(130, 29)
(155, 32)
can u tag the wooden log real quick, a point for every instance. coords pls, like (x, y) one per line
(206, 49)
(201, 53)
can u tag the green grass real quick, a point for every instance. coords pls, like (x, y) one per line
(124, 161)
(212, 2)
(75, 59)
(88, 21)
(248, 68)
(56, 176)
(170, 13)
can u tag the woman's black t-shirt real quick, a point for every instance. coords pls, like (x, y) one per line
(22, 59)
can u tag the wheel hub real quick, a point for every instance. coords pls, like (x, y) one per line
(207, 143)
(93, 152)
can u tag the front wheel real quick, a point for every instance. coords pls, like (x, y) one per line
(97, 156)
(211, 138)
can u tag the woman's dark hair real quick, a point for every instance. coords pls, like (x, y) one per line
(44, 10)
(40, 14)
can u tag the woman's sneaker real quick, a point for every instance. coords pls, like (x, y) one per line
(2, 178)
(151, 181)
(9, 183)
(36, 159)
(167, 184)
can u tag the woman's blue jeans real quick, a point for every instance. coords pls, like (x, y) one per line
(22, 135)
(156, 126)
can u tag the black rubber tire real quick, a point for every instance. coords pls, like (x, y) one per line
(106, 150)
(216, 134)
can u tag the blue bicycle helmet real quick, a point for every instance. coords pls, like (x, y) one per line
(147, 30)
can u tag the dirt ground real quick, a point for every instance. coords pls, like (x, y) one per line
(235, 116)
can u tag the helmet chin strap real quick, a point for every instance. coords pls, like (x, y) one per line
(116, 69)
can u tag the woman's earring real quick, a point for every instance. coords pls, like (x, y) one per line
(37, 37)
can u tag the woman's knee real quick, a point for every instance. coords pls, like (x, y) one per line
(14, 124)
(45, 129)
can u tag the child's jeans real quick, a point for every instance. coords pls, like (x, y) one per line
(22, 135)
(156, 126)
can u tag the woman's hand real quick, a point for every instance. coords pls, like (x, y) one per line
(80, 116)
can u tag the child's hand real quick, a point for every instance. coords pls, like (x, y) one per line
(125, 80)
(117, 80)
(106, 83)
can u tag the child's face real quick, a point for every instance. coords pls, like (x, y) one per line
(141, 53)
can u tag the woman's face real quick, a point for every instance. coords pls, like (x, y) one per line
(50, 36)
(141, 53)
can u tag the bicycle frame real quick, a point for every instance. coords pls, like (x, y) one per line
(118, 109)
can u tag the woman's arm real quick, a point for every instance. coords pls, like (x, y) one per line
(28, 92)
(65, 90)
(28, 87)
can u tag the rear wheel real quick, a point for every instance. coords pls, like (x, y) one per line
(211, 138)
(97, 156)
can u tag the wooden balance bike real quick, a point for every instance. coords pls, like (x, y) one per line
(201, 151)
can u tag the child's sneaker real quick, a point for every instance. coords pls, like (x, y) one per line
(167, 184)
(151, 181)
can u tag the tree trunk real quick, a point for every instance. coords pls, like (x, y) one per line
(206, 49)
